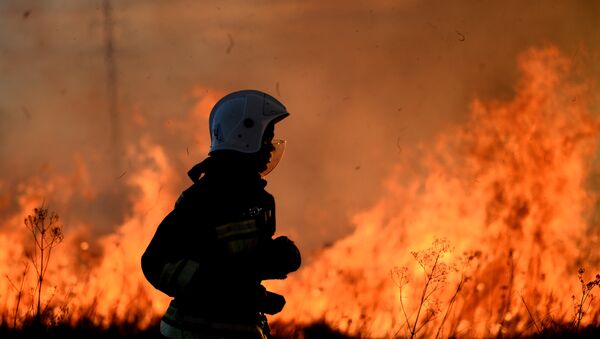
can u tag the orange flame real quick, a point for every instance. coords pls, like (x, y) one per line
(510, 183)
(99, 280)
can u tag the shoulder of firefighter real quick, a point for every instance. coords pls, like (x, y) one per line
(212, 251)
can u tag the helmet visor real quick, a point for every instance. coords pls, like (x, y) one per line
(276, 155)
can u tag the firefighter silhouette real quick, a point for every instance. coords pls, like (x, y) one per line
(214, 249)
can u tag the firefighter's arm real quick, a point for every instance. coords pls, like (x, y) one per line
(252, 250)
(278, 258)
(163, 263)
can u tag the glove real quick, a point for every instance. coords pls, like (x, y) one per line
(271, 303)
(280, 258)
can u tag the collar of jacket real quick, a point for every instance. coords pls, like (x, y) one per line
(233, 172)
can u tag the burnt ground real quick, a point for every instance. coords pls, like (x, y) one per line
(88, 331)
(314, 331)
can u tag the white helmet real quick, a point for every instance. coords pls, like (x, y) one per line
(238, 121)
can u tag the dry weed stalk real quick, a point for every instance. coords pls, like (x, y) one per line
(435, 275)
(47, 234)
(466, 261)
(539, 331)
(19, 291)
(586, 297)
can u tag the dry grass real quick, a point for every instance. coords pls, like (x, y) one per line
(433, 315)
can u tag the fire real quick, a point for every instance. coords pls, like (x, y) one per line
(97, 279)
(503, 198)
(510, 184)
(101, 281)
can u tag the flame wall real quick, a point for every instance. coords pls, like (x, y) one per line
(364, 82)
(511, 185)
(371, 87)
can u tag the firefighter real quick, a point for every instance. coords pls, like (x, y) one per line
(214, 249)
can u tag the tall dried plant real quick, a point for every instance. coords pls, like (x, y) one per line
(435, 274)
(582, 304)
(19, 291)
(47, 234)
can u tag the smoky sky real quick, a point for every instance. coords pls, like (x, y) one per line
(364, 81)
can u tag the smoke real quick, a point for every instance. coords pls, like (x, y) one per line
(365, 83)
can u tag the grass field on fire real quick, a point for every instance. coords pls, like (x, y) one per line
(488, 234)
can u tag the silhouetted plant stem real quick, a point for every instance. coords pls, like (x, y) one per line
(435, 273)
(586, 290)
(450, 304)
(46, 234)
(401, 277)
(19, 293)
(424, 295)
(530, 315)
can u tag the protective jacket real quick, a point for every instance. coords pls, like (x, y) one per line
(213, 250)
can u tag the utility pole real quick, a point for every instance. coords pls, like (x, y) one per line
(112, 86)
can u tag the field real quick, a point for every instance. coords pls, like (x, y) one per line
(315, 331)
